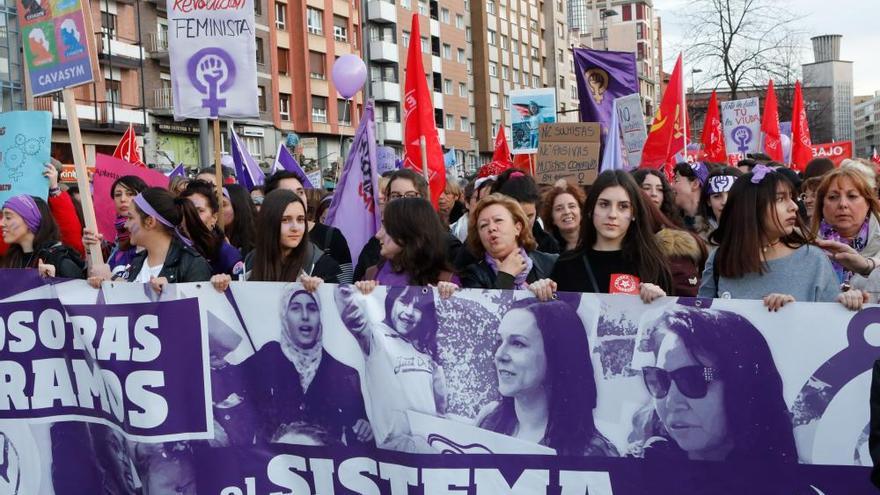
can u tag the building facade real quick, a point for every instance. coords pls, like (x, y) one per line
(831, 72)
(866, 124)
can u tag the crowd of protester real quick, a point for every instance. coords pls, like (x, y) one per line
(755, 231)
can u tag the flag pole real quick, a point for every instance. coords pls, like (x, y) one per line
(684, 111)
(218, 168)
(423, 146)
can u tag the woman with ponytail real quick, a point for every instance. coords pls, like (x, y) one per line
(172, 237)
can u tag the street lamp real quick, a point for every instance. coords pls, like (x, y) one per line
(694, 71)
(604, 14)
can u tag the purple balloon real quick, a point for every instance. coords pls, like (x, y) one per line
(349, 75)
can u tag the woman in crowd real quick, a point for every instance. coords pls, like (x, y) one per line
(616, 242)
(450, 206)
(716, 390)
(500, 239)
(220, 254)
(238, 218)
(34, 241)
(562, 214)
(412, 241)
(808, 197)
(543, 350)
(715, 193)
(521, 187)
(655, 185)
(157, 222)
(121, 251)
(401, 362)
(847, 211)
(177, 184)
(296, 379)
(763, 252)
(684, 250)
(283, 251)
(327, 238)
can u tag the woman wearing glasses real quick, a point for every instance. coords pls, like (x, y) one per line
(716, 391)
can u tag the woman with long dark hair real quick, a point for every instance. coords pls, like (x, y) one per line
(120, 251)
(220, 254)
(283, 252)
(170, 233)
(542, 352)
(763, 251)
(237, 214)
(616, 244)
(655, 185)
(34, 239)
(413, 246)
(716, 390)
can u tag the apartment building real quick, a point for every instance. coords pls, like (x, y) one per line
(446, 49)
(510, 53)
(866, 115)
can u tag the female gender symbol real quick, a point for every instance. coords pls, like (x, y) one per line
(211, 72)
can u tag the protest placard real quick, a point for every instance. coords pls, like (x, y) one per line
(107, 170)
(529, 109)
(836, 152)
(632, 127)
(568, 151)
(25, 139)
(741, 120)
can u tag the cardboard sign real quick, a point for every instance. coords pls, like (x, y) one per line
(107, 170)
(25, 138)
(742, 128)
(632, 127)
(55, 38)
(836, 152)
(568, 151)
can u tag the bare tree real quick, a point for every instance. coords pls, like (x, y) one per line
(742, 43)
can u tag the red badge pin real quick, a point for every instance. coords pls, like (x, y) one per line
(622, 283)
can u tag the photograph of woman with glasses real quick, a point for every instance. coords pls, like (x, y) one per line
(545, 378)
(717, 394)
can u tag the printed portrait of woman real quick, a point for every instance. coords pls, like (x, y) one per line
(296, 379)
(546, 381)
(717, 394)
(401, 364)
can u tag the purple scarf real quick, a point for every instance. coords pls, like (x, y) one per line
(519, 281)
(27, 209)
(829, 233)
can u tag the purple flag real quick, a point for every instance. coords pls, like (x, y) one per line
(355, 207)
(285, 161)
(179, 171)
(602, 77)
(247, 171)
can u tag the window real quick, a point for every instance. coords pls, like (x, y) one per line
(516, 76)
(493, 100)
(283, 60)
(281, 16)
(492, 38)
(316, 65)
(506, 101)
(470, 66)
(423, 7)
(108, 24)
(640, 11)
(459, 21)
(493, 69)
(114, 91)
(426, 45)
(536, 82)
(505, 72)
(254, 145)
(463, 124)
(490, 6)
(627, 12)
(467, 35)
(574, 91)
(560, 55)
(640, 31)
(404, 38)
(560, 30)
(460, 56)
(340, 29)
(406, 4)
(535, 54)
(561, 82)
(444, 15)
(343, 111)
(450, 121)
(447, 86)
(319, 109)
(447, 51)
(462, 90)
(438, 118)
(284, 106)
(315, 20)
(258, 7)
(505, 42)
(261, 98)
(261, 55)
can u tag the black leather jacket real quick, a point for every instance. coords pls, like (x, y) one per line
(182, 264)
(481, 276)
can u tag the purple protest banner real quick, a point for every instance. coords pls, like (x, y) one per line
(603, 76)
(355, 207)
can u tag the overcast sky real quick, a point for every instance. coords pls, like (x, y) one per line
(857, 20)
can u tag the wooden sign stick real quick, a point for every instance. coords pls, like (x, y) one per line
(218, 168)
(95, 258)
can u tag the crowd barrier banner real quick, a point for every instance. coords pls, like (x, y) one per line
(268, 389)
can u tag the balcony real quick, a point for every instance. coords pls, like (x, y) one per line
(384, 51)
(385, 91)
(389, 131)
(382, 11)
(163, 101)
(119, 51)
(98, 115)
(157, 47)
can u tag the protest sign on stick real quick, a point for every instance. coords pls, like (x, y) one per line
(59, 55)
(568, 151)
(742, 128)
(24, 151)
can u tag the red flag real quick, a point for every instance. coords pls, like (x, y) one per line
(874, 156)
(713, 134)
(502, 151)
(666, 137)
(524, 163)
(419, 127)
(770, 126)
(801, 144)
(127, 149)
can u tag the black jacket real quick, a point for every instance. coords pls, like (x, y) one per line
(481, 276)
(546, 242)
(182, 264)
(66, 260)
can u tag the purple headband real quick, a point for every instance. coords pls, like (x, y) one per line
(760, 171)
(700, 171)
(145, 207)
(226, 194)
(27, 209)
(720, 184)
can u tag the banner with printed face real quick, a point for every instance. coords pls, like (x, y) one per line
(211, 44)
(403, 392)
(741, 120)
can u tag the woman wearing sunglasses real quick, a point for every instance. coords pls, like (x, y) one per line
(717, 393)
